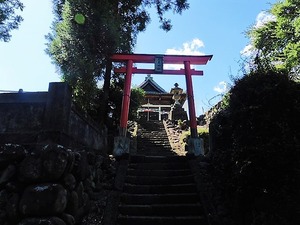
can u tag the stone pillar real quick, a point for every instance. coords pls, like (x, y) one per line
(159, 113)
(57, 113)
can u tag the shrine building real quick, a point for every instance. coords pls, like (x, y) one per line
(159, 104)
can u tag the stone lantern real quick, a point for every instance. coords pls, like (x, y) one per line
(177, 92)
(177, 112)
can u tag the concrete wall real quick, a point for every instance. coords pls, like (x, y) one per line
(21, 116)
(47, 117)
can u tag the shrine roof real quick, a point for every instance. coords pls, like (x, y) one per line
(151, 87)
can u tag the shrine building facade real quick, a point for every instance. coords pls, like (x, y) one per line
(158, 103)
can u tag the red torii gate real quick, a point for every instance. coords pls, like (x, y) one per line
(159, 61)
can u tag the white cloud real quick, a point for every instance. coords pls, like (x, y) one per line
(188, 48)
(222, 87)
(247, 51)
(263, 18)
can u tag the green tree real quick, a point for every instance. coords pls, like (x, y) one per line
(136, 97)
(8, 18)
(278, 41)
(86, 33)
(255, 150)
(115, 101)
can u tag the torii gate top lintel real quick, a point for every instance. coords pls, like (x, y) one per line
(167, 59)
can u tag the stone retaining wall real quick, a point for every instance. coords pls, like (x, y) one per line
(35, 118)
(52, 185)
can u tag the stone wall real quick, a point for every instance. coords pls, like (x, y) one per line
(52, 185)
(21, 113)
(48, 117)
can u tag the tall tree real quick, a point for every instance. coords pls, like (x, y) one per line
(86, 33)
(8, 18)
(278, 41)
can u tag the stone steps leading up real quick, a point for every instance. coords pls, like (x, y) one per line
(162, 220)
(148, 180)
(158, 159)
(191, 209)
(160, 190)
(165, 172)
(159, 166)
(153, 139)
(176, 198)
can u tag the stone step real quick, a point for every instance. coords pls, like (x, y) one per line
(160, 189)
(159, 180)
(158, 140)
(157, 148)
(153, 133)
(169, 173)
(149, 143)
(194, 209)
(144, 199)
(148, 139)
(152, 159)
(147, 152)
(159, 166)
(162, 147)
(151, 137)
(161, 220)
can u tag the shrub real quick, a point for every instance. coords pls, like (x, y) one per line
(256, 149)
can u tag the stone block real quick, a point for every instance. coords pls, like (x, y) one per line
(55, 161)
(195, 146)
(10, 153)
(121, 146)
(42, 221)
(30, 169)
(43, 200)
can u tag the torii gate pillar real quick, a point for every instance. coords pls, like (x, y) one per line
(122, 143)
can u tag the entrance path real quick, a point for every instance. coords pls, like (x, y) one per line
(152, 139)
(159, 187)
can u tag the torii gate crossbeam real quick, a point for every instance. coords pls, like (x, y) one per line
(158, 61)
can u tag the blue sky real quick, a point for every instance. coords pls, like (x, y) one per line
(211, 27)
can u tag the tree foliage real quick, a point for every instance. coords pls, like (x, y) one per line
(115, 101)
(86, 33)
(278, 41)
(8, 18)
(256, 149)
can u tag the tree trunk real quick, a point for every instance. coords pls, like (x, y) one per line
(106, 86)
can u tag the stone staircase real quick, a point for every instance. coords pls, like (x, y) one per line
(153, 139)
(159, 187)
(160, 190)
